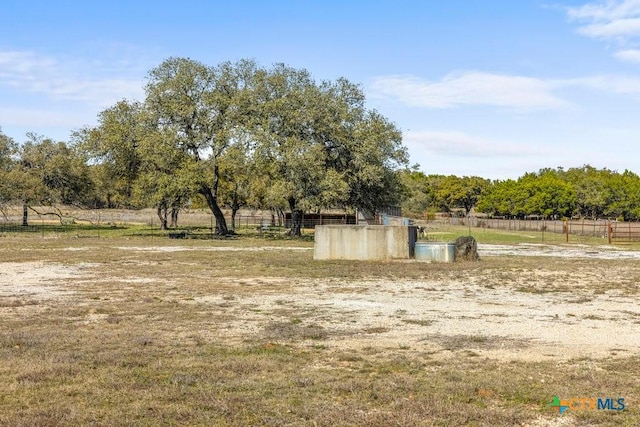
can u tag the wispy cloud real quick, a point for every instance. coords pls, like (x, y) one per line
(513, 92)
(612, 20)
(628, 55)
(614, 84)
(606, 11)
(460, 144)
(470, 88)
(22, 117)
(623, 28)
(14, 63)
(65, 79)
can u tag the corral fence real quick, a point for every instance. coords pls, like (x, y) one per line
(625, 232)
(88, 223)
(92, 222)
(308, 220)
(311, 220)
(613, 231)
(14, 227)
(188, 220)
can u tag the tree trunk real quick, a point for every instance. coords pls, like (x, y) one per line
(234, 211)
(235, 207)
(280, 217)
(175, 210)
(25, 214)
(211, 195)
(221, 222)
(212, 202)
(174, 217)
(162, 214)
(296, 219)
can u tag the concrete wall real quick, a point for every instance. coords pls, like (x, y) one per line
(363, 242)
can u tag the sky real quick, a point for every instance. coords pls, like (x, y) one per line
(491, 88)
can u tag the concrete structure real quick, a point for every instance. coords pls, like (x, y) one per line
(364, 242)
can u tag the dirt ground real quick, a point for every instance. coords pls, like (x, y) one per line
(519, 320)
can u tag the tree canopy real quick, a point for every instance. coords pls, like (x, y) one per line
(308, 145)
(584, 192)
(238, 135)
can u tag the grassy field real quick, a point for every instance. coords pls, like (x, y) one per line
(140, 329)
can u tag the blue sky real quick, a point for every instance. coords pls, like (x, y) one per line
(493, 88)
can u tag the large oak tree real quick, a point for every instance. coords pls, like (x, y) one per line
(201, 109)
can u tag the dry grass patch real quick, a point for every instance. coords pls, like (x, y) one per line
(195, 336)
(475, 342)
(17, 302)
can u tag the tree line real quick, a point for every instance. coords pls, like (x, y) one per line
(240, 135)
(583, 192)
(232, 135)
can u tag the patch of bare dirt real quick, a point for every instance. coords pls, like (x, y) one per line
(569, 251)
(510, 321)
(38, 280)
(447, 317)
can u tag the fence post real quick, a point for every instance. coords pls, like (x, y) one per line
(609, 231)
(566, 229)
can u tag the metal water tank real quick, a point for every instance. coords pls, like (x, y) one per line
(435, 251)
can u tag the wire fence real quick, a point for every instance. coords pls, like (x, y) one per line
(625, 232)
(92, 222)
(196, 221)
(613, 231)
